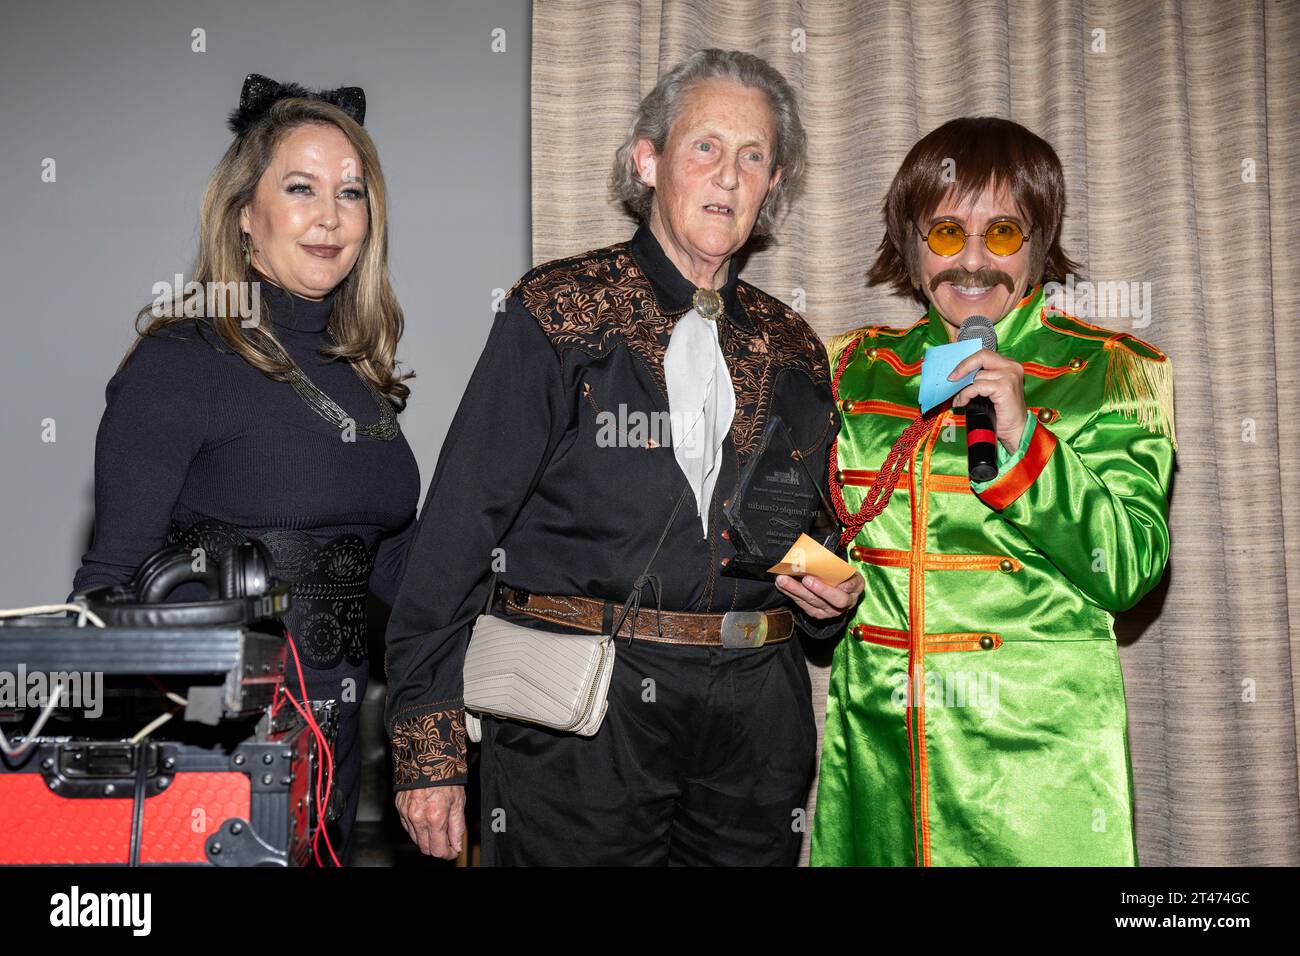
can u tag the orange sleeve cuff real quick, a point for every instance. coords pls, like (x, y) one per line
(1015, 482)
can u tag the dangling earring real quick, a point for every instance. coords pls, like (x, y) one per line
(247, 247)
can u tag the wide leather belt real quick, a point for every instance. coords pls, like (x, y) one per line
(328, 585)
(733, 629)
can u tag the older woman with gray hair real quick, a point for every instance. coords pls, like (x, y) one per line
(606, 480)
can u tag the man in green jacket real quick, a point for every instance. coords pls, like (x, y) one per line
(976, 713)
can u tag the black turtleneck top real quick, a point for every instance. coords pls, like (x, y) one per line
(192, 431)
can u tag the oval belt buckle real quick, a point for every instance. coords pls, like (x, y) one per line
(744, 628)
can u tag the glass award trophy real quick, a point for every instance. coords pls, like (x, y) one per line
(777, 499)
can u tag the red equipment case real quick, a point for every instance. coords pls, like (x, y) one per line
(229, 784)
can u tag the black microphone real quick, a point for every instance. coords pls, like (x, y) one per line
(981, 423)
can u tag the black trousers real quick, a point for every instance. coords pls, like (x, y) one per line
(704, 758)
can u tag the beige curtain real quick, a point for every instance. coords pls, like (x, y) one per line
(1177, 125)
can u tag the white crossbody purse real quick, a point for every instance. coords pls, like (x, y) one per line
(560, 681)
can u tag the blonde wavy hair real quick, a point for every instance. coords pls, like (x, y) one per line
(366, 320)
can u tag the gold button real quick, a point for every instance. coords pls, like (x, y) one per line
(1076, 363)
(855, 553)
(1006, 565)
(1046, 415)
(839, 477)
(871, 352)
(986, 642)
(847, 404)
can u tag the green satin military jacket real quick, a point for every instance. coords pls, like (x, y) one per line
(976, 710)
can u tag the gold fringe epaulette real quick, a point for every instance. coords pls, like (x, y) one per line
(1139, 381)
(837, 342)
(1140, 385)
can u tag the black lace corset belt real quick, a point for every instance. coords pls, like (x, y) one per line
(328, 581)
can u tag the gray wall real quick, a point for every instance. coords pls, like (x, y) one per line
(135, 121)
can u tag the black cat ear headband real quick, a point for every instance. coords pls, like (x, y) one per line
(260, 92)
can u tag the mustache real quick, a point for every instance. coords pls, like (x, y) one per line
(986, 276)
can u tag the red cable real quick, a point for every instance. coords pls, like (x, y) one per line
(311, 725)
(320, 741)
(329, 760)
(323, 745)
(329, 757)
(275, 705)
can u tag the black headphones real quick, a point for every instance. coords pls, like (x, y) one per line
(242, 589)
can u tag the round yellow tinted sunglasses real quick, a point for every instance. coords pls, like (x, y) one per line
(1002, 238)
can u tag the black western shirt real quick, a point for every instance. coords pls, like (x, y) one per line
(529, 484)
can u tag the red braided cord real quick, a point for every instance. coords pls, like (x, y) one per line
(887, 478)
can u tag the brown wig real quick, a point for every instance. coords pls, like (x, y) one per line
(366, 320)
(967, 155)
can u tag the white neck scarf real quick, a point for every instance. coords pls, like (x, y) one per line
(701, 405)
